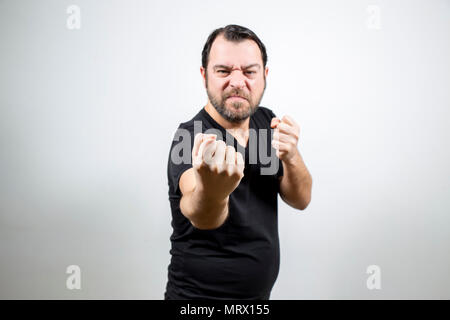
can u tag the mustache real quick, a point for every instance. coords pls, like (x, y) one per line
(237, 93)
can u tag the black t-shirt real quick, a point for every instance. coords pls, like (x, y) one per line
(239, 259)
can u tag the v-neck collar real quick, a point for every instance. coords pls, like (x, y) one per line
(225, 132)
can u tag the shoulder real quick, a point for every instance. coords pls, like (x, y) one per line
(190, 124)
(263, 114)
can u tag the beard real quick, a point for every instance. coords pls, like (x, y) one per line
(235, 111)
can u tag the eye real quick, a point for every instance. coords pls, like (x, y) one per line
(250, 72)
(222, 71)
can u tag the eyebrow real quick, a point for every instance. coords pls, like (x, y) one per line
(218, 66)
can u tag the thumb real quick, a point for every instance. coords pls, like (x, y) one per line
(274, 123)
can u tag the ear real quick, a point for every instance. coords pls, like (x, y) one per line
(266, 71)
(203, 73)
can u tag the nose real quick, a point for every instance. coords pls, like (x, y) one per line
(237, 79)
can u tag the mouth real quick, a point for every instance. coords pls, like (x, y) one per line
(236, 98)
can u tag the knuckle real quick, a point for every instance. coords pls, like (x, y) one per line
(229, 171)
(235, 173)
(220, 169)
(230, 149)
(221, 144)
(215, 169)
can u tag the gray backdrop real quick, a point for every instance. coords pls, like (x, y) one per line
(87, 116)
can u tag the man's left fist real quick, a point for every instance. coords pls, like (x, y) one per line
(285, 137)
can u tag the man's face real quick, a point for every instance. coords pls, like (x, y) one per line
(235, 79)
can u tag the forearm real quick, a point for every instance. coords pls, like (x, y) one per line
(296, 183)
(204, 211)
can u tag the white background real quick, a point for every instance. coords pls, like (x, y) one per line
(87, 117)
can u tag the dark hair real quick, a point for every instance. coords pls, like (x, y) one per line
(235, 33)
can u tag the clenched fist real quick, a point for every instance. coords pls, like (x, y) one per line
(285, 137)
(218, 168)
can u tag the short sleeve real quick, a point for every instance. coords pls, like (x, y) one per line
(180, 158)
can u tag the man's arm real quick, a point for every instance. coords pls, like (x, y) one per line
(217, 170)
(296, 182)
(203, 212)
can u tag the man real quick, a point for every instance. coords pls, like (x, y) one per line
(225, 241)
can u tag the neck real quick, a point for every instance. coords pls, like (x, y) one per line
(244, 125)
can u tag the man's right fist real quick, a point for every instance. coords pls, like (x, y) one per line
(218, 168)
